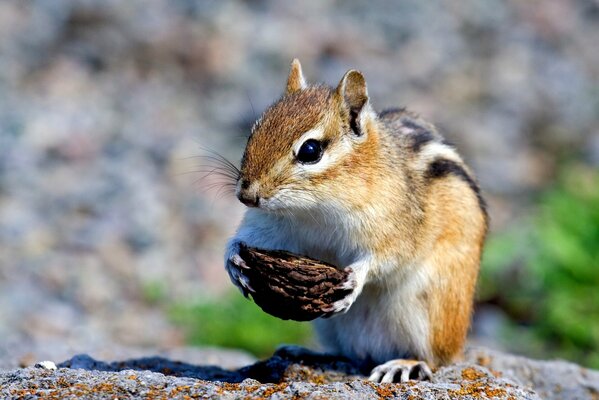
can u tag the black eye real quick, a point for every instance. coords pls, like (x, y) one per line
(310, 152)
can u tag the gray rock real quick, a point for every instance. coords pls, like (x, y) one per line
(290, 372)
(549, 379)
(79, 383)
(46, 365)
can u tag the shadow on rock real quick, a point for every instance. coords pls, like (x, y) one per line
(287, 364)
(155, 364)
(293, 363)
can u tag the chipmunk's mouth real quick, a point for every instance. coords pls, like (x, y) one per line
(287, 202)
(270, 204)
(247, 193)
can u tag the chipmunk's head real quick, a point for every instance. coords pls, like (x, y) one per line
(313, 146)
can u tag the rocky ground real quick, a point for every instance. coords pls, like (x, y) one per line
(484, 374)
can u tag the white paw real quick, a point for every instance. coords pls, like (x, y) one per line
(352, 280)
(235, 265)
(341, 306)
(401, 371)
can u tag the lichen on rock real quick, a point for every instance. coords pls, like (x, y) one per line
(289, 373)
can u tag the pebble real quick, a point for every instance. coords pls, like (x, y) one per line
(49, 365)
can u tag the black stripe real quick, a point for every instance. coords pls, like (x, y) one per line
(442, 167)
(388, 111)
(447, 143)
(420, 136)
(353, 123)
(408, 123)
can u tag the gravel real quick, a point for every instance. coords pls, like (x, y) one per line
(294, 372)
(314, 377)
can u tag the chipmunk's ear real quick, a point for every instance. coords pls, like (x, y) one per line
(296, 80)
(353, 92)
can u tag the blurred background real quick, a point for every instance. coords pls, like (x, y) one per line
(108, 234)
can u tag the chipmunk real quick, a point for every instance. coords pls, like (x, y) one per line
(325, 176)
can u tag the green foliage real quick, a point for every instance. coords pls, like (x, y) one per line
(153, 292)
(546, 275)
(233, 321)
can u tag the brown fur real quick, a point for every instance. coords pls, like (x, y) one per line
(280, 126)
(406, 213)
(456, 228)
(295, 81)
(450, 241)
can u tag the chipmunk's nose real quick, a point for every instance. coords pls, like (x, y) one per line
(250, 200)
(247, 195)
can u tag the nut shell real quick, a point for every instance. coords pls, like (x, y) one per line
(290, 286)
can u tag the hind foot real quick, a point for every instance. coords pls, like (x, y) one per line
(401, 371)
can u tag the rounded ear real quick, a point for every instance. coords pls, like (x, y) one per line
(296, 80)
(352, 89)
(353, 93)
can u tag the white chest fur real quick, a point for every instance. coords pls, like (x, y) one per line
(387, 321)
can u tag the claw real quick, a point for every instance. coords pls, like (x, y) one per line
(401, 371)
(234, 276)
(238, 261)
(243, 291)
(352, 282)
(340, 306)
(245, 282)
(343, 305)
(235, 266)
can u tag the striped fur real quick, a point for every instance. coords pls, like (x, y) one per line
(391, 199)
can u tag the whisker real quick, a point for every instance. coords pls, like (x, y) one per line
(216, 156)
(247, 93)
(218, 166)
(220, 158)
(209, 171)
(222, 169)
(215, 176)
(213, 185)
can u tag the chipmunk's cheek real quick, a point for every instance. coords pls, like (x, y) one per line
(270, 206)
(274, 202)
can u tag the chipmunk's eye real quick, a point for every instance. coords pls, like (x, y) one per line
(310, 152)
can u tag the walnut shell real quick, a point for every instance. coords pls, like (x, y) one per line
(290, 286)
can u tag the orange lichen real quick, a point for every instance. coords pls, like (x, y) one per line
(384, 390)
(471, 374)
(230, 386)
(477, 389)
(270, 390)
(496, 374)
(483, 360)
(62, 382)
(252, 388)
(306, 375)
(177, 390)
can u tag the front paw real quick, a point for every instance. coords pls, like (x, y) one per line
(343, 305)
(235, 266)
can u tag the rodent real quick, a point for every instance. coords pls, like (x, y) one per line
(324, 175)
